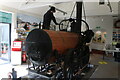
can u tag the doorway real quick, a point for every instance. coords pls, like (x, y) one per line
(5, 49)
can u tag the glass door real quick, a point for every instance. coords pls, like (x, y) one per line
(5, 41)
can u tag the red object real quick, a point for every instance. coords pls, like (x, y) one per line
(4, 50)
(24, 57)
(16, 49)
(9, 76)
(16, 45)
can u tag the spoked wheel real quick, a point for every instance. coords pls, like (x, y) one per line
(68, 65)
(64, 24)
(70, 74)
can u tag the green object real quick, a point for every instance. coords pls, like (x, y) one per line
(5, 17)
(105, 35)
(98, 27)
(114, 43)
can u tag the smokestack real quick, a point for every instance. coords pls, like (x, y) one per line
(78, 16)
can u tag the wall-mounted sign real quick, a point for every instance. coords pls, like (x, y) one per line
(5, 17)
(16, 45)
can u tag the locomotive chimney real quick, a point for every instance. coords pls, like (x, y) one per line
(78, 16)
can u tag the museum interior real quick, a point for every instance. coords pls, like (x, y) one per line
(60, 39)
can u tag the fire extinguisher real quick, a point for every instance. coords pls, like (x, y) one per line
(4, 48)
(24, 58)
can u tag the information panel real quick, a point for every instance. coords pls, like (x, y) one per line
(5, 17)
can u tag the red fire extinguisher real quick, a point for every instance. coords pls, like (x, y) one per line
(4, 48)
(24, 58)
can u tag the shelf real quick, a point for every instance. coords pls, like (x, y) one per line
(116, 35)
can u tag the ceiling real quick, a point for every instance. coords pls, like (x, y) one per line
(39, 7)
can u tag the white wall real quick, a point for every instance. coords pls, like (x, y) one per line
(106, 23)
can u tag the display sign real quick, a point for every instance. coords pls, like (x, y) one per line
(5, 17)
(16, 45)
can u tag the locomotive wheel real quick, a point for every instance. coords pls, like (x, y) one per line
(84, 56)
(68, 65)
(66, 72)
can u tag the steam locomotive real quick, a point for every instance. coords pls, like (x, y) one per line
(60, 54)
